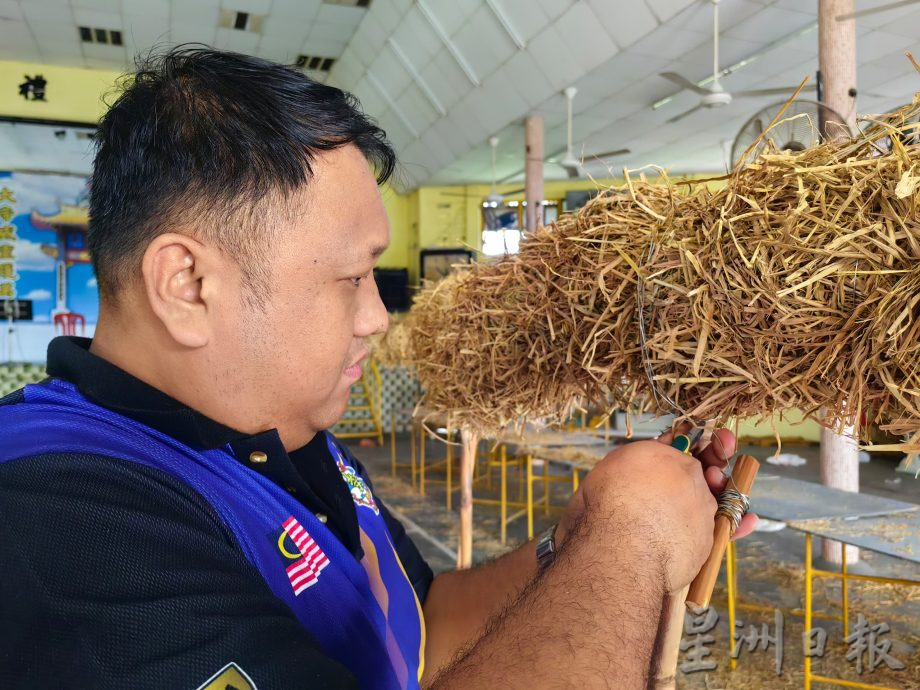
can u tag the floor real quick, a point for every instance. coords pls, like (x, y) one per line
(770, 570)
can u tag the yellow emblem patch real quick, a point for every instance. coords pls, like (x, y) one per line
(230, 677)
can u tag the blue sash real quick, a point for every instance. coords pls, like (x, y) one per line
(364, 614)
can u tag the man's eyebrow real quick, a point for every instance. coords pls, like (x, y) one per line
(377, 251)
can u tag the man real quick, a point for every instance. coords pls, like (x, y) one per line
(172, 512)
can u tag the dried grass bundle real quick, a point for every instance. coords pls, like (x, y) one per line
(796, 285)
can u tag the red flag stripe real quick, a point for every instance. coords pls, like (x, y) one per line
(304, 572)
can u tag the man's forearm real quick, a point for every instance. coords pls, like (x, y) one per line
(461, 602)
(589, 621)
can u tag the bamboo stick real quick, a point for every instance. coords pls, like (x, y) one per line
(742, 479)
(470, 442)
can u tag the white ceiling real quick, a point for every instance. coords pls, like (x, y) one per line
(442, 76)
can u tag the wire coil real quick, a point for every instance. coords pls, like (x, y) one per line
(732, 504)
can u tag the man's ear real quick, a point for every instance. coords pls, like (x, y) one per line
(174, 267)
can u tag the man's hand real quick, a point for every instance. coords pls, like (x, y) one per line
(714, 457)
(660, 498)
(707, 463)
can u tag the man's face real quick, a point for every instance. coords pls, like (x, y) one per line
(299, 357)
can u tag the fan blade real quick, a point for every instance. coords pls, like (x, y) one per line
(609, 154)
(776, 91)
(875, 10)
(682, 81)
(684, 114)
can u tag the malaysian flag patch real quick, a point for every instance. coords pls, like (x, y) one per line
(304, 572)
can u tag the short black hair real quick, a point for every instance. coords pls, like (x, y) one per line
(204, 136)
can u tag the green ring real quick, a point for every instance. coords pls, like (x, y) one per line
(682, 443)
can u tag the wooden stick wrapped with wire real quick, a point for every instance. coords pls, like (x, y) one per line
(733, 504)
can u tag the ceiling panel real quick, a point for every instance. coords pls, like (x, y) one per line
(698, 16)
(525, 16)
(554, 59)
(444, 132)
(888, 18)
(372, 101)
(454, 77)
(97, 19)
(347, 70)
(416, 38)
(907, 25)
(671, 42)
(666, 9)
(259, 7)
(587, 41)
(483, 43)
(385, 14)
(451, 15)
(417, 108)
(554, 8)
(288, 26)
(876, 44)
(38, 11)
(626, 22)
(303, 9)
(316, 46)
(340, 14)
(390, 71)
(396, 131)
(283, 50)
(523, 73)
(238, 41)
(770, 24)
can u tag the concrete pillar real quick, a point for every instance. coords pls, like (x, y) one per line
(837, 62)
(533, 172)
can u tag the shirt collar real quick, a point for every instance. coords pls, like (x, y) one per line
(104, 383)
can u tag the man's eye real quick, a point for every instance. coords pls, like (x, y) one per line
(357, 281)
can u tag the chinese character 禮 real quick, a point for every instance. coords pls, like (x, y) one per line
(33, 88)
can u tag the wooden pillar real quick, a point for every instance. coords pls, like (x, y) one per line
(533, 172)
(470, 442)
(837, 62)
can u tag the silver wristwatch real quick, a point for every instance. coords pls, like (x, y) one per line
(546, 548)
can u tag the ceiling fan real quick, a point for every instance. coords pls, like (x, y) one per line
(494, 198)
(572, 165)
(715, 96)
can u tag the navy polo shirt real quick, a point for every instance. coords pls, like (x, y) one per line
(184, 601)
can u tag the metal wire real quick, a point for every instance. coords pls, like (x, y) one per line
(658, 394)
(732, 504)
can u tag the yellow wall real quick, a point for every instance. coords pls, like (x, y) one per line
(72, 93)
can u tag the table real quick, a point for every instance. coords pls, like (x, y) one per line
(875, 523)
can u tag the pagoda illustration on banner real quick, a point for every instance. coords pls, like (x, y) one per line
(70, 224)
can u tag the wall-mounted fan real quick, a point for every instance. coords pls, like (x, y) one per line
(799, 129)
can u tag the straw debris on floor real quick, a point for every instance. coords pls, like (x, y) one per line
(795, 285)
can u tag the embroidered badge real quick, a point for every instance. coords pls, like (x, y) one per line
(230, 676)
(310, 561)
(360, 494)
